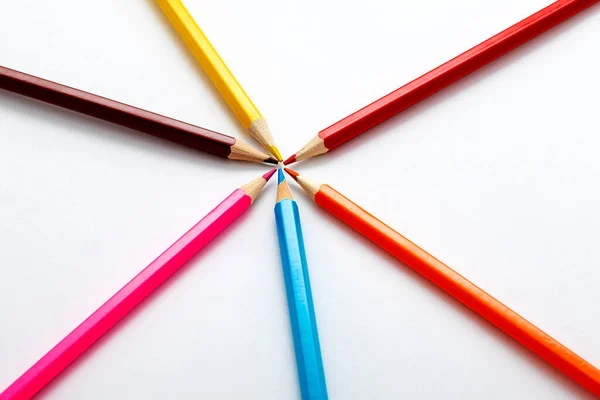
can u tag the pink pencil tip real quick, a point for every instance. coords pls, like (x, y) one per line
(269, 174)
(290, 160)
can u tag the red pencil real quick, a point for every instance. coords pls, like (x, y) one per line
(134, 292)
(438, 78)
(450, 281)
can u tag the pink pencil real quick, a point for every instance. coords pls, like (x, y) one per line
(133, 293)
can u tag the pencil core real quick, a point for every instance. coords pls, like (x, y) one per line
(269, 174)
(290, 160)
(292, 173)
(275, 151)
(280, 176)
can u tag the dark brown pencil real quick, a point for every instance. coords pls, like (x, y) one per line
(131, 117)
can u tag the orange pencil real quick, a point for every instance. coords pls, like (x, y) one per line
(453, 283)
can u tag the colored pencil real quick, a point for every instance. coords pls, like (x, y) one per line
(130, 117)
(453, 283)
(210, 61)
(438, 78)
(134, 292)
(311, 374)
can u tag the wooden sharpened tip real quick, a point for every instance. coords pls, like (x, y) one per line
(310, 186)
(314, 147)
(260, 131)
(283, 190)
(242, 151)
(254, 187)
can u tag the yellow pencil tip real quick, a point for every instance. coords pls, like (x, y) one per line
(275, 151)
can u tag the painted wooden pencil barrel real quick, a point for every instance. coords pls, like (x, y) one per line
(300, 303)
(463, 290)
(134, 292)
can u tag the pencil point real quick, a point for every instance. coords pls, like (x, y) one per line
(253, 188)
(292, 173)
(244, 152)
(313, 147)
(269, 174)
(283, 190)
(275, 151)
(310, 186)
(290, 160)
(280, 176)
(259, 130)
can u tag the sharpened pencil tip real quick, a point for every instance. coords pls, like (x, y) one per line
(269, 174)
(290, 160)
(283, 190)
(275, 151)
(272, 160)
(280, 176)
(292, 173)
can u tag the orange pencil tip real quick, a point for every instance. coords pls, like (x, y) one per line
(269, 174)
(290, 160)
(292, 173)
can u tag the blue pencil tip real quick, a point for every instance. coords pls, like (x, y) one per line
(280, 176)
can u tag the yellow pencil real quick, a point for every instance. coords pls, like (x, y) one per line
(219, 74)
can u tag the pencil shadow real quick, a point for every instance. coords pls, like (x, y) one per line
(474, 320)
(147, 302)
(448, 93)
(125, 137)
(193, 63)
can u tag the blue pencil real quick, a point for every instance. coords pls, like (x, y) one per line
(299, 295)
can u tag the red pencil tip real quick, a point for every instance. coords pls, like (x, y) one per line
(292, 173)
(290, 160)
(269, 174)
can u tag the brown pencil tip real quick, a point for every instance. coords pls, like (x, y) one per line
(244, 152)
(290, 160)
(292, 173)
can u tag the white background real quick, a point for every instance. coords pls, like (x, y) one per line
(497, 176)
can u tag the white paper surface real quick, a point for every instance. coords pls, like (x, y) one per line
(497, 176)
